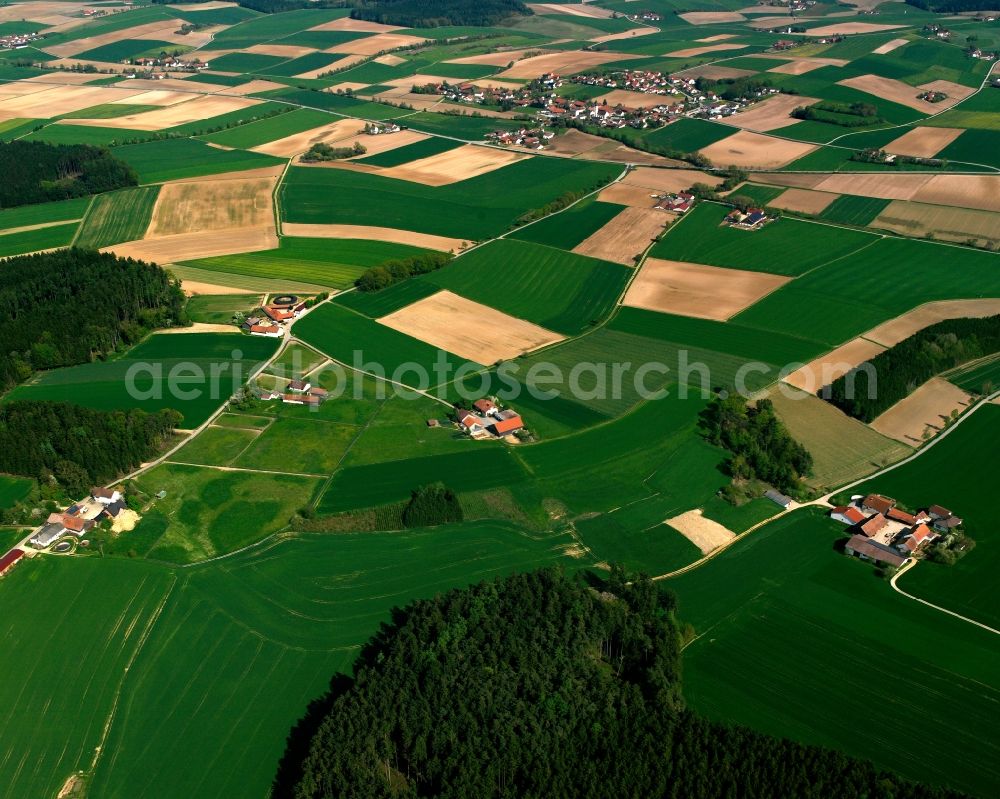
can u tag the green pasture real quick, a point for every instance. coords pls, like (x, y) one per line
(219, 309)
(174, 159)
(215, 446)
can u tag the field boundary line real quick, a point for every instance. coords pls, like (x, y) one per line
(911, 565)
(83, 220)
(242, 469)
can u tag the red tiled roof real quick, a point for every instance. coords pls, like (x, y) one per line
(10, 559)
(73, 523)
(873, 525)
(504, 426)
(878, 503)
(898, 515)
(849, 512)
(264, 328)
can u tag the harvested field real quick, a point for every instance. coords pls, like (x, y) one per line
(766, 23)
(625, 194)
(204, 244)
(963, 191)
(192, 288)
(359, 25)
(955, 91)
(629, 34)
(465, 162)
(250, 87)
(575, 142)
(827, 368)
(704, 292)
(711, 18)
(389, 60)
(65, 78)
(844, 28)
(217, 205)
(755, 151)
(902, 327)
(669, 180)
(719, 37)
(159, 97)
(897, 92)
(704, 533)
(498, 59)
(186, 85)
(632, 99)
(61, 100)
(384, 143)
(770, 114)
(430, 242)
(803, 200)
(563, 63)
(923, 142)
(472, 331)
(372, 45)
(800, 66)
(625, 236)
(888, 47)
(923, 413)
(164, 30)
(246, 174)
(280, 50)
(622, 154)
(572, 9)
(300, 142)
(886, 187)
(200, 108)
(951, 224)
(715, 72)
(690, 52)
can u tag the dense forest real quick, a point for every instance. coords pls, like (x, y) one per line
(72, 306)
(79, 447)
(35, 172)
(538, 685)
(432, 505)
(953, 6)
(437, 13)
(868, 390)
(376, 278)
(762, 449)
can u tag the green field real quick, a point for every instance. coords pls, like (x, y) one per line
(219, 308)
(306, 63)
(982, 378)
(13, 490)
(558, 290)
(968, 587)
(246, 62)
(126, 49)
(477, 208)
(268, 28)
(109, 111)
(784, 247)
(45, 238)
(686, 135)
(269, 129)
(567, 229)
(174, 159)
(108, 385)
(245, 282)
(215, 446)
(410, 152)
(821, 651)
(377, 304)
(850, 210)
(325, 262)
(118, 216)
(43, 213)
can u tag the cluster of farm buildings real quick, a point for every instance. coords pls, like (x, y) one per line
(17, 41)
(487, 420)
(297, 392)
(886, 534)
(271, 323)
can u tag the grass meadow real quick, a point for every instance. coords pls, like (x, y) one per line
(824, 652)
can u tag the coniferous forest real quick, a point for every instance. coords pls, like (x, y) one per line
(36, 172)
(537, 685)
(71, 306)
(911, 363)
(79, 447)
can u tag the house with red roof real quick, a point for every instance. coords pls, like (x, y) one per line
(847, 514)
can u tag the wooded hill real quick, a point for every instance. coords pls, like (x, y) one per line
(35, 172)
(437, 13)
(71, 306)
(537, 685)
(901, 369)
(78, 446)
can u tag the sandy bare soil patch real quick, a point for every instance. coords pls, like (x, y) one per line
(384, 143)
(704, 533)
(200, 108)
(690, 52)
(888, 47)
(65, 78)
(897, 92)
(827, 368)
(281, 50)
(359, 25)
(219, 205)
(668, 180)
(300, 142)
(770, 114)
(251, 87)
(390, 60)
(711, 17)
(625, 236)
(571, 9)
(705, 292)
(198, 327)
(843, 28)
(159, 97)
(766, 23)
(923, 142)
(625, 194)
(372, 45)
(465, 162)
(633, 32)
(719, 37)
(61, 100)
(902, 327)
(468, 329)
(193, 287)
(800, 66)
(574, 142)
(886, 187)
(715, 72)
(371, 233)
(804, 201)
(924, 412)
(755, 150)
(633, 99)
(945, 222)
(564, 63)
(204, 244)
(964, 191)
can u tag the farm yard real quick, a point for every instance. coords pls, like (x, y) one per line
(590, 216)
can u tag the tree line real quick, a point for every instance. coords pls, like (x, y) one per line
(438, 13)
(541, 685)
(78, 447)
(387, 274)
(36, 172)
(72, 306)
(872, 388)
(760, 446)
